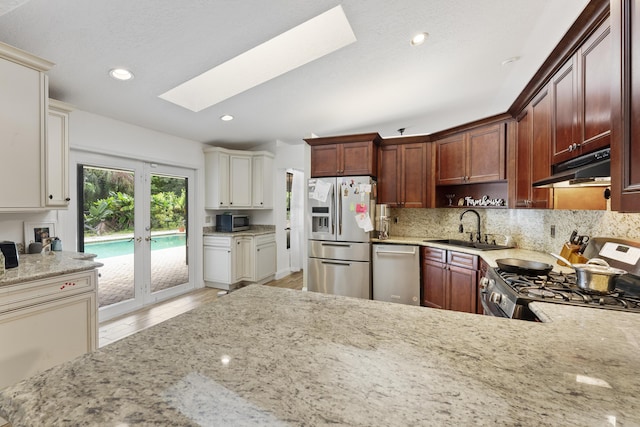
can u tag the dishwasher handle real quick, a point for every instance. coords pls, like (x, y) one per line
(383, 251)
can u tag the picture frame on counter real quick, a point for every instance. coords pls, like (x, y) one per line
(41, 232)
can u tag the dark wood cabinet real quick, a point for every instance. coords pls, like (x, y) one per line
(403, 174)
(581, 99)
(625, 141)
(449, 280)
(472, 157)
(532, 149)
(349, 155)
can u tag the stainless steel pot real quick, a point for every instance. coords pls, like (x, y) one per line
(596, 276)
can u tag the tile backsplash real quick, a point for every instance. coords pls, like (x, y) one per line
(529, 228)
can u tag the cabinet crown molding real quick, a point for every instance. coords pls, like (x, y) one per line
(63, 107)
(244, 152)
(24, 58)
(361, 137)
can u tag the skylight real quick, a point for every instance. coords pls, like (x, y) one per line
(307, 42)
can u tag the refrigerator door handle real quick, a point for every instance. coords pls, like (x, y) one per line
(342, 245)
(332, 217)
(339, 193)
(345, 264)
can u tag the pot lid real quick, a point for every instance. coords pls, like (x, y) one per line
(599, 266)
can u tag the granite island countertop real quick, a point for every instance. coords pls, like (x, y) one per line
(270, 356)
(48, 264)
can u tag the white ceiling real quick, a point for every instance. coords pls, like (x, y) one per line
(378, 84)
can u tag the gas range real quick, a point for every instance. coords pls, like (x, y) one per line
(508, 294)
(512, 292)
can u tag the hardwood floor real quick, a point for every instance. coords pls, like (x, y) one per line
(120, 327)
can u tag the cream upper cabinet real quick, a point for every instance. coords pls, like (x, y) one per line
(57, 155)
(216, 164)
(262, 181)
(23, 116)
(237, 179)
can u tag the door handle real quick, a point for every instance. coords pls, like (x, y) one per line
(344, 264)
(395, 252)
(339, 210)
(341, 245)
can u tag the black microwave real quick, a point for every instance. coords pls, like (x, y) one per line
(230, 223)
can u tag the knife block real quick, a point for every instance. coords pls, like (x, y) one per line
(569, 251)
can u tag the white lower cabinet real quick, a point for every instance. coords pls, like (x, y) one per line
(265, 257)
(46, 322)
(243, 265)
(218, 261)
(245, 258)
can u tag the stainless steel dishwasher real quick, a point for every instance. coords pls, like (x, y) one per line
(396, 273)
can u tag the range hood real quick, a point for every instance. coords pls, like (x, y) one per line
(589, 169)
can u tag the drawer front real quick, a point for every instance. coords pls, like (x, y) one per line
(267, 238)
(26, 294)
(434, 254)
(463, 260)
(351, 251)
(217, 241)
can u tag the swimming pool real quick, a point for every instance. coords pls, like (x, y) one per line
(111, 248)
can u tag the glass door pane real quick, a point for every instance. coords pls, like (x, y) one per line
(109, 219)
(168, 232)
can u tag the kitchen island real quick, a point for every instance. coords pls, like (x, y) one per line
(269, 356)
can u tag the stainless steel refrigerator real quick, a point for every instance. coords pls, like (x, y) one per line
(341, 221)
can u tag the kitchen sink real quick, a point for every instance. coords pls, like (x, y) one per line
(467, 244)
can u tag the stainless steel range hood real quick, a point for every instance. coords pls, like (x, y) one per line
(589, 169)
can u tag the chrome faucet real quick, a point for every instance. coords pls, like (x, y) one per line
(478, 224)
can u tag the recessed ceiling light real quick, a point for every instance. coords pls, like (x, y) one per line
(419, 38)
(226, 118)
(121, 74)
(510, 60)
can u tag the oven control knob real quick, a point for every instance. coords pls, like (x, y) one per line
(495, 298)
(485, 282)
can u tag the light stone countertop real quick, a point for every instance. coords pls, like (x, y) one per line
(489, 256)
(49, 264)
(254, 230)
(270, 356)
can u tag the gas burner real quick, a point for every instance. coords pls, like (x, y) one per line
(539, 292)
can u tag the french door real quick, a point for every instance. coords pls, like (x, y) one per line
(135, 217)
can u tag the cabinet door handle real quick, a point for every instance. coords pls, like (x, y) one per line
(50, 196)
(68, 199)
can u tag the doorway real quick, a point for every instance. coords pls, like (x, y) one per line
(135, 217)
